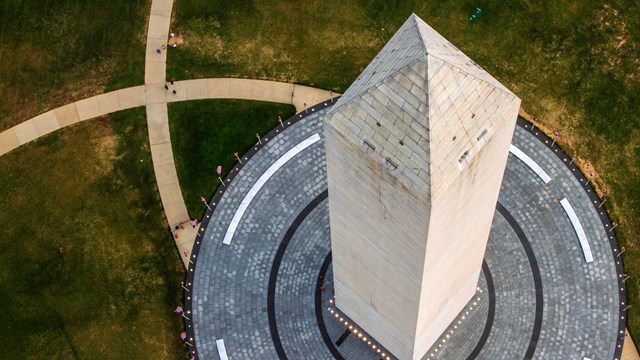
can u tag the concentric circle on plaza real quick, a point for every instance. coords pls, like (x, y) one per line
(268, 294)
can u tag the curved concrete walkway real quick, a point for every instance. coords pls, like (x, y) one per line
(156, 91)
(70, 114)
(155, 98)
(123, 99)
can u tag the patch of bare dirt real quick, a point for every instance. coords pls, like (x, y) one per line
(201, 36)
(620, 53)
(558, 118)
(104, 144)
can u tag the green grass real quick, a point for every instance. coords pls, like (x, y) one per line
(56, 52)
(206, 133)
(575, 64)
(88, 268)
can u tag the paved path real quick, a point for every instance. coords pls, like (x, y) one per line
(70, 114)
(164, 165)
(629, 351)
(104, 104)
(154, 96)
(159, 137)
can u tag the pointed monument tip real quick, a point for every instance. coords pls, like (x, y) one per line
(415, 17)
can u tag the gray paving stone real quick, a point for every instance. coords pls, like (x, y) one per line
(580, 300)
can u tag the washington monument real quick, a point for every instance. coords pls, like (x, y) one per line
(416, 150)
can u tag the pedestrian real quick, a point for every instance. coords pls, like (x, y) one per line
(174, 92)
(166, 87)
(164, 47)
(174, 45)
(158, 51)
(172, 34)
(171, 82)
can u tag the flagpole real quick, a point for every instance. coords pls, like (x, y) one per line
(603, 200)
(219, 171)
(204, 201)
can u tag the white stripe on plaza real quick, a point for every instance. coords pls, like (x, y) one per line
(584, 243)
(222, 351)
(263, 180)
(530, 163)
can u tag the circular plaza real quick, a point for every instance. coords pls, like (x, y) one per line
(259, 282)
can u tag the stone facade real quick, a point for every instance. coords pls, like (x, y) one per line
(416, 150)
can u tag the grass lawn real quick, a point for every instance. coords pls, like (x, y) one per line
(575, 64)
(206, 133)
(89, 270)
(56, 52)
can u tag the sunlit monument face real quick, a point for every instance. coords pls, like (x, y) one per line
(416, 149)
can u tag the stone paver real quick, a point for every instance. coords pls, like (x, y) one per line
(246, 262)
(578, 302)
(8, 141)
(67, 115)
(131, 97)
(46, 123)
(26, 132)
(88, 108)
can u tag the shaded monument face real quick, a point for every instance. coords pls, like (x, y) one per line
(416, 150)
